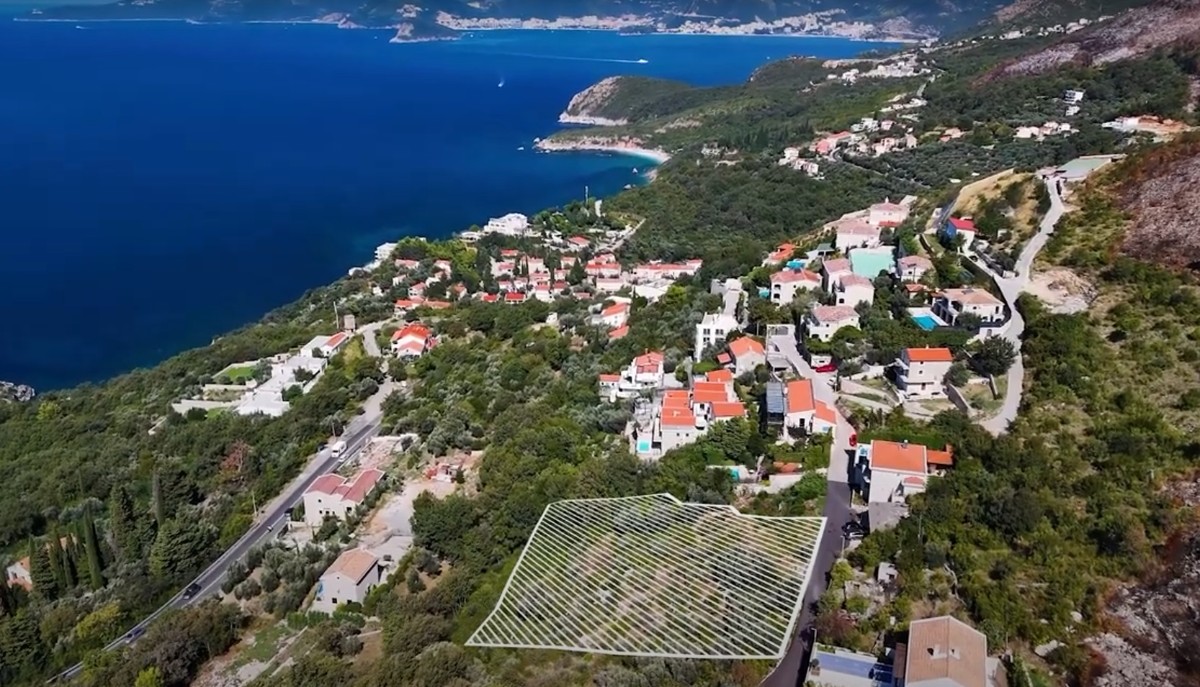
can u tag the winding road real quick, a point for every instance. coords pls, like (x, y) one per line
(357, 433)
(1010, 289)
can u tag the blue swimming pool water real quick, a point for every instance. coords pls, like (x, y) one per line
(643, 447)
(925, 322)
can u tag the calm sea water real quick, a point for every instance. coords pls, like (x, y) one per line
(161, 183)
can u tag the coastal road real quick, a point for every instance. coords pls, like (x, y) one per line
(1010, 289)
(837, 513)
(358, 432)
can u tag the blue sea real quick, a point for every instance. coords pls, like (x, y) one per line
(163, 182)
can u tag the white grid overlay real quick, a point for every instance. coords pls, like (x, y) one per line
(653, 576)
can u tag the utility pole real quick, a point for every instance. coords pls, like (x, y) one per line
(254, 505)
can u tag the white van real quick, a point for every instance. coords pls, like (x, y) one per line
(338, 448)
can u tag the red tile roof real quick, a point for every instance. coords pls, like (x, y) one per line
(800, 396)
(721, 376)
(962, 224)
(826, 414)
(615, 309)
(792, 276)
(514, 297)
(610, 378)
(891, 455)
(836, 265)
(676, 399)
(355, 564)
(745, 346)
(678, 417)
(618, 333)
(929, 355)
(710, 392)
(940, 458)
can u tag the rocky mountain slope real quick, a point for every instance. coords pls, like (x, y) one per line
(1134, 33)
(1162, 197)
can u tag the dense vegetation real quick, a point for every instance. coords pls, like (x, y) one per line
(118, 501)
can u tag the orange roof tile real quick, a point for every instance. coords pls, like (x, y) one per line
(745, 346)
(354, 564)
(676, 399)
(721, 376)
(618, 333)
(940, 458)
(891, 455)
(710, 392)
(610, 378)
(800, 396)
(676, 417)
(826, 414)
(788, 468)
(929, 355)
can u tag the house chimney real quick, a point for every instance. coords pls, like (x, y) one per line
(904, 443)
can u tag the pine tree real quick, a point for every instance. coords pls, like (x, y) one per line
(92, 546)
(41, 571)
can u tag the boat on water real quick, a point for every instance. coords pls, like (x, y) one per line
(520, 147)
(635, 170)
(643, 61)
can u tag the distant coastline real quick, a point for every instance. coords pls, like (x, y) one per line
(655, 155)
(402, 36)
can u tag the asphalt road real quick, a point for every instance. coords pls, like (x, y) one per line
(837, 513)
(358, 432)
(1011, 289)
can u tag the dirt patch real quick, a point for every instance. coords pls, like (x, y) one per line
(1162, 196)
(1063, 291)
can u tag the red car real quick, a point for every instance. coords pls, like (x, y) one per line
(854, 440)
(824, 369)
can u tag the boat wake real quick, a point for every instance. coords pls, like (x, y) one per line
(573, 58)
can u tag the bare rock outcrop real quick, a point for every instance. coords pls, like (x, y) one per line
(586, 105)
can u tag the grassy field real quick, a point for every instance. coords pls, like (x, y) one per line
(240, 374)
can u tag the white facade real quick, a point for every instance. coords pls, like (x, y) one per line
(336, 497)
(921, 372)
(952, 303)
(826, 320)
(912, 267)
(785, 284)
(887, 214)
(711, 331)
(512, 224)
(856, 233)
(853, 289)
(351, 577)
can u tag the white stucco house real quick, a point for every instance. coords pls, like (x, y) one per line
(951, 303)
(711, 331)
(335, 496)
(351, 577)
(852, 289)
(911, 268)
(921, 372)
(786, 283)
(825, 320)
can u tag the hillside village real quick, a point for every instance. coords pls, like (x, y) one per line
(880, 367)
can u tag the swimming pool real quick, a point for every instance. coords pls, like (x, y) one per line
(643, 446)
(926, 322)
(869, 262)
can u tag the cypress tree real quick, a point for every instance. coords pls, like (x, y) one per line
(123, 524)
(56, 556)
(8, 603)
(92, 546)
(67, 558)
(41, 571)
(159, 511)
